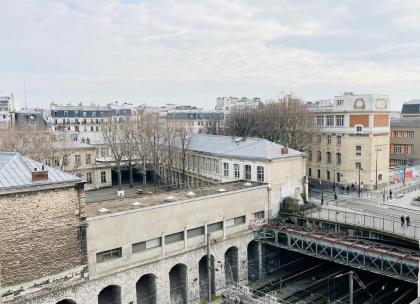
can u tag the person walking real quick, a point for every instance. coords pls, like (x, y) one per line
(407, 220)
(402, 220)
(390, 194)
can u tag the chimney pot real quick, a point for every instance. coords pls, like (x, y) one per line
(284, 150)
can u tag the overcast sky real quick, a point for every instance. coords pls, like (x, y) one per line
(191, 52)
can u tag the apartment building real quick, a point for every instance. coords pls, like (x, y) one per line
(7, 110)
(351, 138)
(411, 109)
(146, 249)
(226, 104)
(196, 121)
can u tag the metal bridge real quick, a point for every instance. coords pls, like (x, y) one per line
(391, 261)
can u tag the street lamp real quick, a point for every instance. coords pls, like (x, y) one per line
(376, 169)
(360, 169)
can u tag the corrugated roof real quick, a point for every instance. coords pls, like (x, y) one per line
(15, 172)
(249, 148)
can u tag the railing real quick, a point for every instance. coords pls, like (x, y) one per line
(390, 225)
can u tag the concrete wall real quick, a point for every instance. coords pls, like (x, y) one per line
(123, 229)
(39, 233)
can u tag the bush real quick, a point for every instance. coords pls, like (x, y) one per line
(289, 205)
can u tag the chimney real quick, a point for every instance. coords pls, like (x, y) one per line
(39, 175)
(284, 150)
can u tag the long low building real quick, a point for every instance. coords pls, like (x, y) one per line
(148, 249)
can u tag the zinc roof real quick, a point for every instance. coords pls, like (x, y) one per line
(16, 172)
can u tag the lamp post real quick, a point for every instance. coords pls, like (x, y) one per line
(376, 168)
(360, 169)
(350, 273)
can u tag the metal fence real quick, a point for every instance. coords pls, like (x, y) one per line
(390, 225)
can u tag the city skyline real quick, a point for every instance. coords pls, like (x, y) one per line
(190, 53)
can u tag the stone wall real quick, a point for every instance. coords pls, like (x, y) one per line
(87, 293)
(39, 233)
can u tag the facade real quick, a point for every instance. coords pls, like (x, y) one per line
(196, 121)
(6, 111)
(42, 208)
(226, 104)
(211, 159)
(79, 159)
(33, 118)
(351, 132)
(404, 142)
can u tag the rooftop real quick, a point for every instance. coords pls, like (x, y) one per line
(153, 196)
(16, 172)
(407, 122)
(236, 147)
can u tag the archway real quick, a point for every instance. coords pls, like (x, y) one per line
(146, 289)
(204, 278)
(253, 261)
(66, 301)
(110, 295)
(178, 284)
(231, 265)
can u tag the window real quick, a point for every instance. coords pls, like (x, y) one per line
(235, 221)
(89, 177)
(103, 177)
(88, 159)
(236, 169)
(338, 156)
(108, 255)
(66, 113)
(247, 172)
(104, 151)
(339, 102)
(330, 120)
(338, 139)
(215, 227)
(260, 174)
(411, 149)
(195, 232)
(175, 237)
(225, 169)
(328, 157)
(358, 165)
(328, 175)
(319, 173)
(320, 121)
(319, 156)
(359, 129)
(380, 177)
(310, 172)
(397, 149)
(319, 139)
(57, 162)
(410, 134)
(329, 139)
(77, 159)
(339, 120)
(310, 155)
(259, 215)
(358, 150)
(142, 246)
(338, 177)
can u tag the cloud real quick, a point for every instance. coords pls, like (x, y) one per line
(169, 50)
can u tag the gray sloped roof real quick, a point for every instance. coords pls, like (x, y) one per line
(234, 147)
(15, 172)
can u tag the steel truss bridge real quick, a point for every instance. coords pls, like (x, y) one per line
(387, 260)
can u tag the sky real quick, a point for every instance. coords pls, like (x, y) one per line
(191, 52)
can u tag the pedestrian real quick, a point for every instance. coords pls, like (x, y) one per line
(348, 189)
(402, 220)
(322, 198)
(390, 194)
(407, 220)
(335, 196)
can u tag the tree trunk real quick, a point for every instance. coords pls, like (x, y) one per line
(131, 175)
(119, 179)
(144, 174)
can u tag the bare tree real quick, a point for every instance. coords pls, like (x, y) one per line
(183, 139)
(284, 121)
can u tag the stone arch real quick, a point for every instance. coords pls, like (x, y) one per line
(253, 261)
(66, 301)
(146, 289)
(231, 265)
(110, 295)
(178, 284)
(203, 278)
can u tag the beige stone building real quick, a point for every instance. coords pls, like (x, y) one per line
(350, 132)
